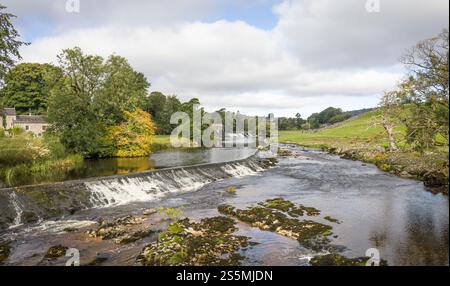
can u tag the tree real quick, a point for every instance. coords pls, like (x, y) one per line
(299, 121)
(161, 108)
(190, 107)
(9, 43)
(314, 120)
(306, 126)
(123, 89)
(133, 137)
(389, 118)
(156, 102)
(427, 88)
(92, 96)
(329, 115)
(72, 110)
(429, 72)
(423, 94)
(28, 86)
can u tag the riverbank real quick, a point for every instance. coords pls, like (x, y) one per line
(431, 168)
(358, 139)
(25, 160)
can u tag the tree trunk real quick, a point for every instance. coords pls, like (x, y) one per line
(390, 132)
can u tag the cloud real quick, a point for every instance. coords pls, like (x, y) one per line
(235, 65)
(108, 12)
(329, 33)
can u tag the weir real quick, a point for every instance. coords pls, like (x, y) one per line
(28, 204)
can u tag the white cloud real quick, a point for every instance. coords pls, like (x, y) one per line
(329, 33)
(241, 67)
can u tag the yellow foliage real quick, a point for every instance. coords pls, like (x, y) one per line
(132, 138)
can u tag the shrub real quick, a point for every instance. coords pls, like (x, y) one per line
(172, 213)
(16, 131)
(19, 150)
(57, 149)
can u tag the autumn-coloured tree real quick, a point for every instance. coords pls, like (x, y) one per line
(133, 137)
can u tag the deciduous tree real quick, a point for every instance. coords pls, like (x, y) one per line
(9, 42)
(28, 86)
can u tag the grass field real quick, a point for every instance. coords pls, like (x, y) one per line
(354, 131)
(161, 139)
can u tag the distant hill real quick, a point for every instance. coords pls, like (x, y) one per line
(357, 128)
(359, 111)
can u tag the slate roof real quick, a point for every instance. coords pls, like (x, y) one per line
(9, 111)
(30, 119)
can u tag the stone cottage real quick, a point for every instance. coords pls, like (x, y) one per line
(30, 123)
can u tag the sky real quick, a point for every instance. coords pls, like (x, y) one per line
(253, 56)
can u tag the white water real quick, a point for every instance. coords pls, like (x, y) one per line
(120, 191)
(47, 227)
(238, 171)
(18, 208)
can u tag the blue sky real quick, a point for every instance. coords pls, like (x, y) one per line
(255, 56)
(258, 14)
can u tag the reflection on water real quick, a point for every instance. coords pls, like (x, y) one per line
(195, 156)
(115, 166)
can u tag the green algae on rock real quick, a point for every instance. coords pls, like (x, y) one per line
(208, 242)
(331, 219)
(135, 236)
(335, 259)
(309, 233)
(114, 229)
(284, 152)
(231, 190)
(289, 207)
(56, 252)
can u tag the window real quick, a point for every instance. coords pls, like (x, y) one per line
(27, 127)
(44, 127)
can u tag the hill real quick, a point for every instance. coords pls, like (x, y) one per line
(359, 138)
(356, 130)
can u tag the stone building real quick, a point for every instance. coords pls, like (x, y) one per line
(30, 123)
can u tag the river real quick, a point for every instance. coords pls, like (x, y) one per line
(399, 217)
(90, 168)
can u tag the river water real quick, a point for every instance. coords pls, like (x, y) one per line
(115, 166)
(405, 222)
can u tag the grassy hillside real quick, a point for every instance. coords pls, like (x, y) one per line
(354, 131)
(360, 139)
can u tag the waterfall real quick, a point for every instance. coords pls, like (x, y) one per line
(64, 197)
(155, 185)
(239, 170)
(18, 208)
